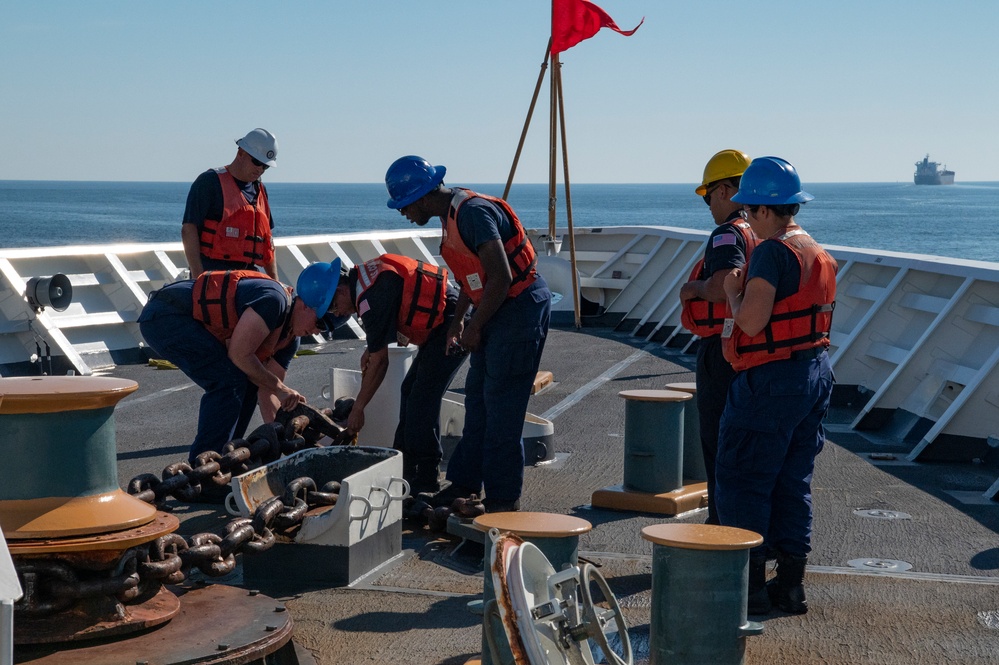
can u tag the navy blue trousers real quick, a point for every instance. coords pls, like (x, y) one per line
(770, 433)
(230, 397)
(497, 389)
(418, 435)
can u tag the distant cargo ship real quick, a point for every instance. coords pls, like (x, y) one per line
(929, 173)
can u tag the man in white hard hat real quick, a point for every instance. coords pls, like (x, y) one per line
(227, 222)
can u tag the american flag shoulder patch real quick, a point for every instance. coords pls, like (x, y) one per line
(723, 239)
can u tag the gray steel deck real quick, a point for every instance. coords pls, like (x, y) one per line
(944, 610)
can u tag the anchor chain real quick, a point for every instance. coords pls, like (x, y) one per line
(54, 585)
(291, 431)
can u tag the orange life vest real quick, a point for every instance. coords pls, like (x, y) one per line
(704, 317)
(244, 232)
(799, 322)
(424, 293)
(214, 297)
(465, 264)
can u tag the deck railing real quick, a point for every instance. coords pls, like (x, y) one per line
(915, 340)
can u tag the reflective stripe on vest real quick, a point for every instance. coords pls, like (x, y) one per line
(424, 293)
(243, 234)
(465, 264)
(799, 322)
(214, 305)
(704, 317)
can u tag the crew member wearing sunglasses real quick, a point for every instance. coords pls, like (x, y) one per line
(227, 222)
(234, 333)
(703, 298)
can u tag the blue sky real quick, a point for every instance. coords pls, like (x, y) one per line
(849, 91)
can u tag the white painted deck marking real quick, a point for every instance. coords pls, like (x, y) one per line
(156, 395)
(574, 398)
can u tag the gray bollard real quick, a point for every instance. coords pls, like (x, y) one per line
(653, 440)
(693, 454)
(700, 575)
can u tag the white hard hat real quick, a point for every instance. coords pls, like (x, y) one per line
(261, 145)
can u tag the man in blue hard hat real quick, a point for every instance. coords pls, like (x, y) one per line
(227, 222)
(234, 334)
(703, 298)
(491, 258)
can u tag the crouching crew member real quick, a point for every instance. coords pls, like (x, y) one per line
(493, 261)
(771, 429)
(227, 222)
(400, 299)
(703, 296)
(234, 333)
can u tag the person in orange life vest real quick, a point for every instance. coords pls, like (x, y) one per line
(234, 334)
(227, 222)
(703, 297)
(399, 299)
(487, 251)
(777, 340)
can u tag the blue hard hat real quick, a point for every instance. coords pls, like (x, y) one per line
(411, 178)
(770, 181)
(317, 284)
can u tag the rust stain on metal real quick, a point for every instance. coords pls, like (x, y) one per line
(238, 620)
(503, 600)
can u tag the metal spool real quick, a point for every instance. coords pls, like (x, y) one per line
(556, 536)
(551, 618)
(70, 528)
(60, 458)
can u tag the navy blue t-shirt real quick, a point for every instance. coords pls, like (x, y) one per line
(725, 249)
(774, 262)
(204, 200)
(480, 221)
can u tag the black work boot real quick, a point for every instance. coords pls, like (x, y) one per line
(426, 480)
(787, 590)
(758, 601)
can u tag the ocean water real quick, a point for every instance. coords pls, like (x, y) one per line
(957, 221)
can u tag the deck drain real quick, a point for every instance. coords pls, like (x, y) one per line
(879, 514)
(884, 565)
(989, 619)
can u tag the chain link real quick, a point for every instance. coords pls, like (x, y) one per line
(53, 585)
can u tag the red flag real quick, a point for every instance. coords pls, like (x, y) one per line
(576, 20)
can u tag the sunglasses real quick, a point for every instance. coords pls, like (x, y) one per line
(751, 209)
(257, 162)
(707, 195)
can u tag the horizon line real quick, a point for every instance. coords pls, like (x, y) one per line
(317, 182)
